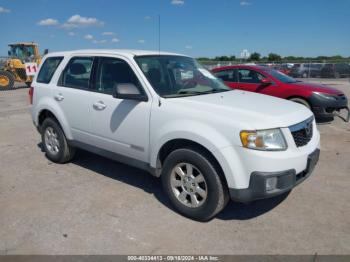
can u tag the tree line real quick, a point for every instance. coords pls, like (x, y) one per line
(272, 57)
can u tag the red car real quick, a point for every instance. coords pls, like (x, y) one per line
(321, 99)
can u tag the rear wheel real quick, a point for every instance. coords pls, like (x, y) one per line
(7, 80)
(300, 101)
(55, 143)
(193, 185)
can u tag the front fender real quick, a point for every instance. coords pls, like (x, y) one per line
(205, 135)
(197, 132)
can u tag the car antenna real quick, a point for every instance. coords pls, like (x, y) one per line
(158, 34)
(159, 101)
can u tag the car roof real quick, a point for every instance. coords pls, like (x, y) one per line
(123, 52)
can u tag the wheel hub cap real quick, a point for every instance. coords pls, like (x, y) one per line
(51, 141)
(188, 185)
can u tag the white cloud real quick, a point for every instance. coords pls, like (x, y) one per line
(99, 41)
(147, 17)
(88, 37)
(141, 41)
(188, 47)
(245, 3)
(77, 21)
(4, 10)
(177, 2)
(108, 33)
(115, 40)
(71, 34)
(48, 22)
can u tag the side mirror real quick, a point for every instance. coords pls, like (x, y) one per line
(266, 81)
(128, 91)
(46, 51)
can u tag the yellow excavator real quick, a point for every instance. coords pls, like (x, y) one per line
(22, 58)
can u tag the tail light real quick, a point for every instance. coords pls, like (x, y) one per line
(31, 94)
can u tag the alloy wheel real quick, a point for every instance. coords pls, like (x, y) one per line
(188, 185)
(51, 140)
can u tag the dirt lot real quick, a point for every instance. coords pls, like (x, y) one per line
(97, 206)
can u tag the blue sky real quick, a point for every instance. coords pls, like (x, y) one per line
(193, 27)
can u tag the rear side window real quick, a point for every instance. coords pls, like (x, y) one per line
(48, 69)
(77, 73)
(249, 76)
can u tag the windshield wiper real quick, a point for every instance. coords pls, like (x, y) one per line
(183, 92)
(202, 92)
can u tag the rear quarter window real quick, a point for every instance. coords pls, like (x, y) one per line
(48, 69)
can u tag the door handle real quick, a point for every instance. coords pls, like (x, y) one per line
(59, 97)
(99, 105)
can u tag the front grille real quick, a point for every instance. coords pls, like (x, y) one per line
(302, 133)
(21, 72)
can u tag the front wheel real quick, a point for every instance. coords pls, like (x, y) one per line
(193, 184)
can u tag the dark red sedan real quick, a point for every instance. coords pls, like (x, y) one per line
(321, 99)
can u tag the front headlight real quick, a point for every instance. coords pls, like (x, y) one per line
(326, 96)
(269, 140)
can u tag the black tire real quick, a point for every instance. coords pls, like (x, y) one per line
(217, 192)
(10, 80)
(65, 152)
(301, 101)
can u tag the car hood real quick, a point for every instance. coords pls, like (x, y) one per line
(247, 109)
(317, 88)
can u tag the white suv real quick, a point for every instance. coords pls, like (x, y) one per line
(166, 114)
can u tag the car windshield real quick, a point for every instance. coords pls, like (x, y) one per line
(175, 76)
(281, 77)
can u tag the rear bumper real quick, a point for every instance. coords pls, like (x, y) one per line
(324, 108)
(286, 180)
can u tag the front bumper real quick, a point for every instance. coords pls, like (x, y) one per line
(324, 108)
(286, 180)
